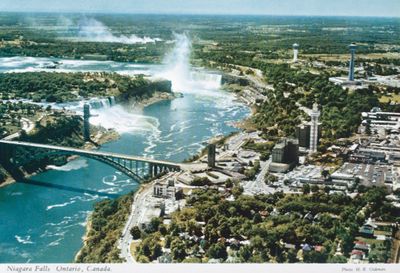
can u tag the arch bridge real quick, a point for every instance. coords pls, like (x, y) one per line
(17, 154)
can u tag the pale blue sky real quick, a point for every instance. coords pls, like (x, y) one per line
(270, 7)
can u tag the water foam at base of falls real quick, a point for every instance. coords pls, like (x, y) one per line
(122, 121)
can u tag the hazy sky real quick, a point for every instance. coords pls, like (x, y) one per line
(272, 7)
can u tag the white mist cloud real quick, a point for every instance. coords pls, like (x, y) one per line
(92, 30)
(178, 63)
(183, 76)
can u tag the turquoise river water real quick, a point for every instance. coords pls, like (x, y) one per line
(43, 220)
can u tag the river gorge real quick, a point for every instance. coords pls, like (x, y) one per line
(44, 219)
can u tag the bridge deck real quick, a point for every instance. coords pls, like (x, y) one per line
(92, 153)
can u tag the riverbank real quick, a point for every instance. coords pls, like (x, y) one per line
(103, 230)
(85, 237)
(7, 182)
(139, 215)
(155, 98)
(102, 135)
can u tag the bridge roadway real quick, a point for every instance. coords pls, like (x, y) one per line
(93, 153)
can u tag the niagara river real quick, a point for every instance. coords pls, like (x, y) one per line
(43, 219)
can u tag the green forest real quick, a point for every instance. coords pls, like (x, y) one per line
(258, 228)
(104, 230)
(65, 87)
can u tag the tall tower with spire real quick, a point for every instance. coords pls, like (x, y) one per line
(315, 114)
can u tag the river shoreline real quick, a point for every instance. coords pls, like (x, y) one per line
(155, 98)
(104, 136)
(144, 188)
(100, 138)
(85, 236)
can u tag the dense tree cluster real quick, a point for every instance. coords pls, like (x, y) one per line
(340, 108)
(106, 224)
(257, 229)
(62, 87)
(61, 131)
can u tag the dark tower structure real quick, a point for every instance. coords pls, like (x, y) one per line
(303, 135)
(352, 48)
(211, 155)
(86, 124)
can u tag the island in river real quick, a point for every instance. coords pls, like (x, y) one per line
(31, 97)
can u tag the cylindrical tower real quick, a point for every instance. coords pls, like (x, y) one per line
(295, 52)
(86, 124)
(352, 48)
(315, 114)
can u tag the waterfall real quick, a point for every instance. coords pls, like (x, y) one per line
(101, 103)
(206, 79)
(111, 100)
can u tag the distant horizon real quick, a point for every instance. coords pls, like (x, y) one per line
(199, 14)
(318, 8)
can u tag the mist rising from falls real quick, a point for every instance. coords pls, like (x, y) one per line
(184, 78)
(92, 30)
(178, 70)
(177, 63)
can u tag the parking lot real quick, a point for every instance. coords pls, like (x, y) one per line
(370, 174)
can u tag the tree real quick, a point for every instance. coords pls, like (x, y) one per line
(327, 189)
(224, 230)
(163, 229)
(154, 224)
(178, 249)
(200, 181)
(192, 228)
(257, 243)
(136, 233)
(315, 257)
(325, 173)
(217, 251)
(245, 253)
(292, 256)
(306, 188)
(257, 218)
(314, 188)
(143, 259)
(150, 247)
(338, 259)
(237, 191)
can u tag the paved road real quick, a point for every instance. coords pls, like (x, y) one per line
(140, 205)
(27, 126)
(258, 186)
(137, 213)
